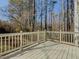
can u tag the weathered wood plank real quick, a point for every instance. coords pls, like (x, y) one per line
(77, 52)
(58, 51)
(69, 53)
(73, 53)
(66, 52)
(50, 50)
(62, 52)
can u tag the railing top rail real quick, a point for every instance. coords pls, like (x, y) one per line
(23, 33)
(64, 32)
(26, 33)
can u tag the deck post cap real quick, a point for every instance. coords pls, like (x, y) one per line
(21, 31)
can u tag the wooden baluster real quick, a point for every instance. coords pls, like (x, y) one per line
(18, 41)
(31, 38)
(12, 42)
(60, 36)
(21, 41)
(5, 45)
(45, 38)
(26, 39)
(15, 40)
(76, 40)
(66, 37)
(1, 45)
(38, 37)
(72, 38)
(8, 42)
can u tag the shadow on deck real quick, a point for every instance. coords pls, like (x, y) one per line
(47, 50)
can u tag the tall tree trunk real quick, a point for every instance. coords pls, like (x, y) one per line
(68, 23)
(41, 15)
(62, 14)
(34, 16)
(30, 15)
(45, 14)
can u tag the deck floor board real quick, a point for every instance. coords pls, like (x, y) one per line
(50, 50)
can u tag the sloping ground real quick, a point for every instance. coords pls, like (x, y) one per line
(50, 50)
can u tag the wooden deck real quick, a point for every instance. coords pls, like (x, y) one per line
(50, 50)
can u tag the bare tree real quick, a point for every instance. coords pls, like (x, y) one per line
(22, 11)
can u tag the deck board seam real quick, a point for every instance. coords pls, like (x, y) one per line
(67, 53)
(60, 52)
(53, 48)
(56, 52)
(63, 52)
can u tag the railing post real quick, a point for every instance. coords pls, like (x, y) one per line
(45, 38)
(21, 41)
(76, 40)
(60, 36)
(38, 37)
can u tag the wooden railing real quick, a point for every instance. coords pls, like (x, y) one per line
(17, 41)
(71, 38)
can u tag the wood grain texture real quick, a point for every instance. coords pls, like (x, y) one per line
(50, 50)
